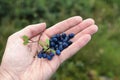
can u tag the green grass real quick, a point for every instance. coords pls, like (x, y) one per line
(99, 58)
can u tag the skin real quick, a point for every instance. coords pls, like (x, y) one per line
(18, 61)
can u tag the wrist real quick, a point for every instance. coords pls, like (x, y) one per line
(6, 75)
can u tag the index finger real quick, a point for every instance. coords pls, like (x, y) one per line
(63, 26)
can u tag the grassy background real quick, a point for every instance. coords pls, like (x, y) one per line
(98, 60)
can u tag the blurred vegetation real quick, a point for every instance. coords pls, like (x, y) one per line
(99, 60)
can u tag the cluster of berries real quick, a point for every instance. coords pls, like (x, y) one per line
(57, 43)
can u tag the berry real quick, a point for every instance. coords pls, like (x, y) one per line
(52, 44)
(44, 55)
(65, 45)
(40, 55)
(58, 52)
(61, 39)
(56, 46)
(63, 35)
(49, 57)
(54, 39)
(53, 48)
(66, 39)
(51, 54)
(60, 48)
(58, 36)
(59, 43)
(71, 35)
(69, 42)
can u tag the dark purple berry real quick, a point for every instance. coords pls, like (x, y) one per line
(66, 39)
(54, 39)
(60, 48)
(53, 48)
(51, 54)
(58, 36)
(63, 35)
(69, 42)
(52, 44)
(58, 52)
(61, 39)
(49, 57)
(44, 55)
(65, 45)
(71, 35)
(40, 55)
(56, 46)
(59, 43)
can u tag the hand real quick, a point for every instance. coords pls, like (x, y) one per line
(18, 60)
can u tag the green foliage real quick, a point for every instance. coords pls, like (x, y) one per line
(53, 51)
(47, 42)
(99, 58)
(26, 39)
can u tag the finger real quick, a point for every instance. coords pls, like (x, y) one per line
(81, 26)
(63, 26)
(89, 30)
(76, 46)
(32, 30)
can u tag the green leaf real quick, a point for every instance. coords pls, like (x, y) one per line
(52, 51)
(45, 48)
(47, 42)
(26, 40)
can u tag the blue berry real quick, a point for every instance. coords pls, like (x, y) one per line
(69, 42)
(58, 52)
(53, 48)
(49, 57)
(59, 43)
(52, 44)
(63, 35)
(56, 46)
(58, 36)
(40, 55)
(51, 54)
(60, 48)
(44, 55)
(65, 45)
(61, 39)
(66, 39)
(54, 39)
(71, 35)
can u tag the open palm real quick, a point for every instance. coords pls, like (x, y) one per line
(19, 61)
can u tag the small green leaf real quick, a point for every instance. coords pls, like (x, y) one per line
(52, 51)
(26, 40)
(47, 42)
(45, 48)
